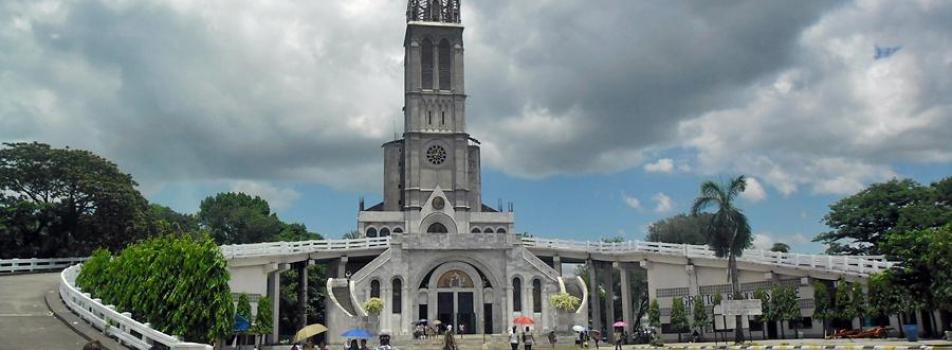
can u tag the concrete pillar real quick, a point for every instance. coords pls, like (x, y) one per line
(274, 292)
(594, 302)
(557, 264)
(609, 303)
(342, 268)
(626, 307)
(302, 293)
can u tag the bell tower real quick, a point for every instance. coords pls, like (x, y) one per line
(432, 178)
(437, 148)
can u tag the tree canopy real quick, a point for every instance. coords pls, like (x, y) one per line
(680, 229)
(862, 221)
(238, 218)
(65, 202)
(780, 248)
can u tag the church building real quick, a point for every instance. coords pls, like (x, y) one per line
(451, 257)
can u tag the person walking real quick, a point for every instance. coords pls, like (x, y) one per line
(528, 340)
(552, 339)
(514, 339)
(618, 339)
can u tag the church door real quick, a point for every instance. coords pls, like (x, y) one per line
(466, 315)
(445, 310)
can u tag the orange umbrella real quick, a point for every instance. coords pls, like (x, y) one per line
(523, 320)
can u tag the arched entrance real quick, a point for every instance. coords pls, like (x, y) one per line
(456, 296)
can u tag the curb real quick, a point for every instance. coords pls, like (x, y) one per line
(78, 325)
(807, 347)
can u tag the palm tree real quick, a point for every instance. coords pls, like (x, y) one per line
(728, 231)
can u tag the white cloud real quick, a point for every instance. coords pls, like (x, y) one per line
(754, 192)
(663, 203)
(631, 201)
(763, 241)
(278, 198)
(836, 120)
(663, 165)
(766, 240)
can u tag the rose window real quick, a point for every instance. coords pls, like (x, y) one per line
(436, 154)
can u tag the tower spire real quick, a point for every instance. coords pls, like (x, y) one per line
(443, 11)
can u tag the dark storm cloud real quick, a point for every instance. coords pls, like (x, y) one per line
(218, 90)
(624, 72)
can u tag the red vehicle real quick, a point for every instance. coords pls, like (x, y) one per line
(875, 332)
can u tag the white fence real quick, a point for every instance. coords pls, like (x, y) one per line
(128, 331)
(32, 264)
(301, 247)
(859, 265)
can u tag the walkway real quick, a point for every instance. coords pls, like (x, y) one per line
(25, 321)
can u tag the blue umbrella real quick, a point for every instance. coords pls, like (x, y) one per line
(358, 333)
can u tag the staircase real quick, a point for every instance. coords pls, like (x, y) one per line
(341, 296)
(576, 288)
(465, 342)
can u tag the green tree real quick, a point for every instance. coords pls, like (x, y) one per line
(679, 317)
(177, 283)
(162, 219)
(65, 202)
(237, 218)
(843, 303)
(728, 231)
(823, 308)
(717, 301)
(680, 229)
(924, 271)
(243, 310)
(766, 306)
(699, 314)
(860, 305)
(654, 315)
(780, 248)
(263, 319)
(786, 307)
(862, 221)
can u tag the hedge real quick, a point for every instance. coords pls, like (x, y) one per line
(178, 284)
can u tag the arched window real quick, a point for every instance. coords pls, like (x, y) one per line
(396, 295)
(516, 295)
(398, 230)
(488, 230)
(426, 63)
(500, 230)
(384, 232)
(536, 295)
(475, 230)
(371, 232)
(445, 63)
(375, 289)
(437, 228)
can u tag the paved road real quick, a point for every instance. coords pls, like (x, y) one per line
(25, 321)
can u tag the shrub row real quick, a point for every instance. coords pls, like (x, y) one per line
(176, 283)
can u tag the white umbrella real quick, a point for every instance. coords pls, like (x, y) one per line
(578, 328)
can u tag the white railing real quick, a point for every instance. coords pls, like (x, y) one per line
(34, 264)
(860, 265)
(301, 247)
(120, 325)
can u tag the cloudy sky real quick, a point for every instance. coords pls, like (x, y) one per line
(596, 118)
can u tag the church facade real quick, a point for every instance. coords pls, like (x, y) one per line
(452, 258)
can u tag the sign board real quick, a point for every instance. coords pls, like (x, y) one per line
(722, 322)
(749, 307)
